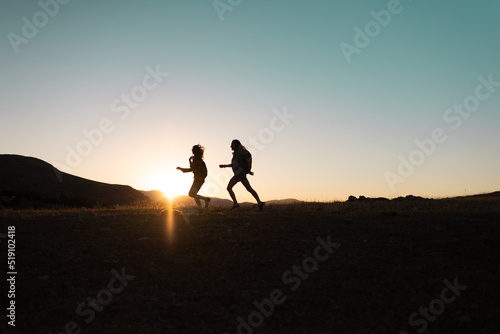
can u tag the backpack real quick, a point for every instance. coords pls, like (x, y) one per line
(198, 167)
(246, 160)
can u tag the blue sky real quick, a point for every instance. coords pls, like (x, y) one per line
(351, 121)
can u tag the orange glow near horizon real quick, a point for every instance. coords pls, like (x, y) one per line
(171, 184)
(170, 223)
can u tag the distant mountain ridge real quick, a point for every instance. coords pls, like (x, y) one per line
(29, 179)
(184, 200)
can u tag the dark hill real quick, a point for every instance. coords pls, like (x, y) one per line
(27, 180)
(155, 195)
(495, 194)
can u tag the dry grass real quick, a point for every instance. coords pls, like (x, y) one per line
(202, 270)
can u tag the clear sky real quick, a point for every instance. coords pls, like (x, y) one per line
(334, 98)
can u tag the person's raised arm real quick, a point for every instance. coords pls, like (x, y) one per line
(184, 170)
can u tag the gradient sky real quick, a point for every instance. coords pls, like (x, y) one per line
(352, 120)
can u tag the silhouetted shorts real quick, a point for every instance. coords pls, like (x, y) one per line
(240, 177)
(197, 183)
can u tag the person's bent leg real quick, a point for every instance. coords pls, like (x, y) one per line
(203, 198)
(247, 185)
(193, 192)
(230, 186)
(198, 203)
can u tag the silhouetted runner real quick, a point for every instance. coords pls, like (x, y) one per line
(199, 169)
(241, 163)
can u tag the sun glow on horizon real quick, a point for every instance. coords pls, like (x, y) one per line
(171, 184)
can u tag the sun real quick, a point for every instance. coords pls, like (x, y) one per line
(171, 184)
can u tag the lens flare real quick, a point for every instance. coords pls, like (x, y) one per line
(170, 223)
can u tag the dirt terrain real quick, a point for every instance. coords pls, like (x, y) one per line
(345, 267)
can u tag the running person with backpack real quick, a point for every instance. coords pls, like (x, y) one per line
(241, 165)
(199, 169)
